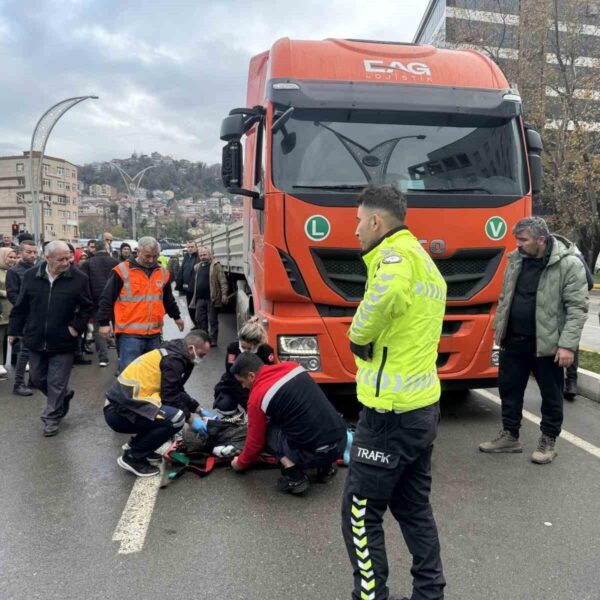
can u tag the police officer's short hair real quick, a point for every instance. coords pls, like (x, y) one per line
(101, 245)
(196, 337)
(384, 197)
(535, 225)
(246, 362)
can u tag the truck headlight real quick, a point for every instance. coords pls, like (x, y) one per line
(305, 345)
(302, 349)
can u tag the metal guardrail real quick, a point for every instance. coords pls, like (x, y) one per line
(227, 247)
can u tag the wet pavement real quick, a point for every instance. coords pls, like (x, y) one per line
(509, 528)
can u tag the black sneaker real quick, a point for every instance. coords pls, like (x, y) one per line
(22, 390)
(154, 458)
(294, 481)
(67, 403)
(326, 474)
(141, 468)
(50, 429)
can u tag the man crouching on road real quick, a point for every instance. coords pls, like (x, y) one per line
(303, 428)
(149, 399)
(541, 313)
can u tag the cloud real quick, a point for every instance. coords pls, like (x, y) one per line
(122, 46)
(166, 73)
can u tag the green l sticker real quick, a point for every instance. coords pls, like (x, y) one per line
(496, 228)
(317, 228)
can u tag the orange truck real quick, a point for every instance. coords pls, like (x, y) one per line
(326, 118)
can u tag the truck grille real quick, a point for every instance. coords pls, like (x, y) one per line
(466, 272)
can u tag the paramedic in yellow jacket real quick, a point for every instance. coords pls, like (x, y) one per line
(394, 336)
(149, 399)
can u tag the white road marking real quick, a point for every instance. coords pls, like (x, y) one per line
(569, 437)
(135, 520)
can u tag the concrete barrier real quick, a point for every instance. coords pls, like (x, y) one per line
(588, 384)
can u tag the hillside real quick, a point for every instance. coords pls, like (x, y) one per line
(183, 177)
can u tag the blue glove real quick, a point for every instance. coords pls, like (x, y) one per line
(199, 425)
(207, 414)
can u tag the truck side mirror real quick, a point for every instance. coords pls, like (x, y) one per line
(231, 165)
(231, 170)
(232, 128)
(534, 148)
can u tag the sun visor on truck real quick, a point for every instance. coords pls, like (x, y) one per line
(390, 96)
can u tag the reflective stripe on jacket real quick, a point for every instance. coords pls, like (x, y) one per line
(401, 314)
(139, 309)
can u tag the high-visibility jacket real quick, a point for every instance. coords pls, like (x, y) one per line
(155, 379)
(139, 309)
(401, 314)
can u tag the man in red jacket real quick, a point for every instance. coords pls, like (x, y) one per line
(288, 411)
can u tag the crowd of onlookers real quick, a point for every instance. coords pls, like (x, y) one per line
(68, 303)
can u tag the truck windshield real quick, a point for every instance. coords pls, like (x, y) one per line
(422, 153)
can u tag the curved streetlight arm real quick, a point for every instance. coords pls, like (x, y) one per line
(136, 180)
(39, 139)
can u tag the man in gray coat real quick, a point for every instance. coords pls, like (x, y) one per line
(541, 313)
(209, 293)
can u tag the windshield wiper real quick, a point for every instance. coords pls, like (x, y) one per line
(331, 187)
(450, 190)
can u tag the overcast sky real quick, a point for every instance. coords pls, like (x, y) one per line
(166, 72)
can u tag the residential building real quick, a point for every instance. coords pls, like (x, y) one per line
(141, 193)
(512, 34)
(213, 202)
(59, 212)
(103, 190)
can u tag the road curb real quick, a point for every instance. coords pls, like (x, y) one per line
(588, 384)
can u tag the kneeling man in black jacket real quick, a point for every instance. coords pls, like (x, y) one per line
(149, 399)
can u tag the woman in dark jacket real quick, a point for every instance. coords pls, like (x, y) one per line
(230, 396)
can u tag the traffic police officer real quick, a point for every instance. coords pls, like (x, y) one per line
(394, 335)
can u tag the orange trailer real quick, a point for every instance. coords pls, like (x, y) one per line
(326, 118)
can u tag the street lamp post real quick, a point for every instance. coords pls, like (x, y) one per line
(132, 185)
(39, 139)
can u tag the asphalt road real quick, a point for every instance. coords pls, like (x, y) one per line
(509, 528)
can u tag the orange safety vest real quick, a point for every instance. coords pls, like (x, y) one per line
(139, 309)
